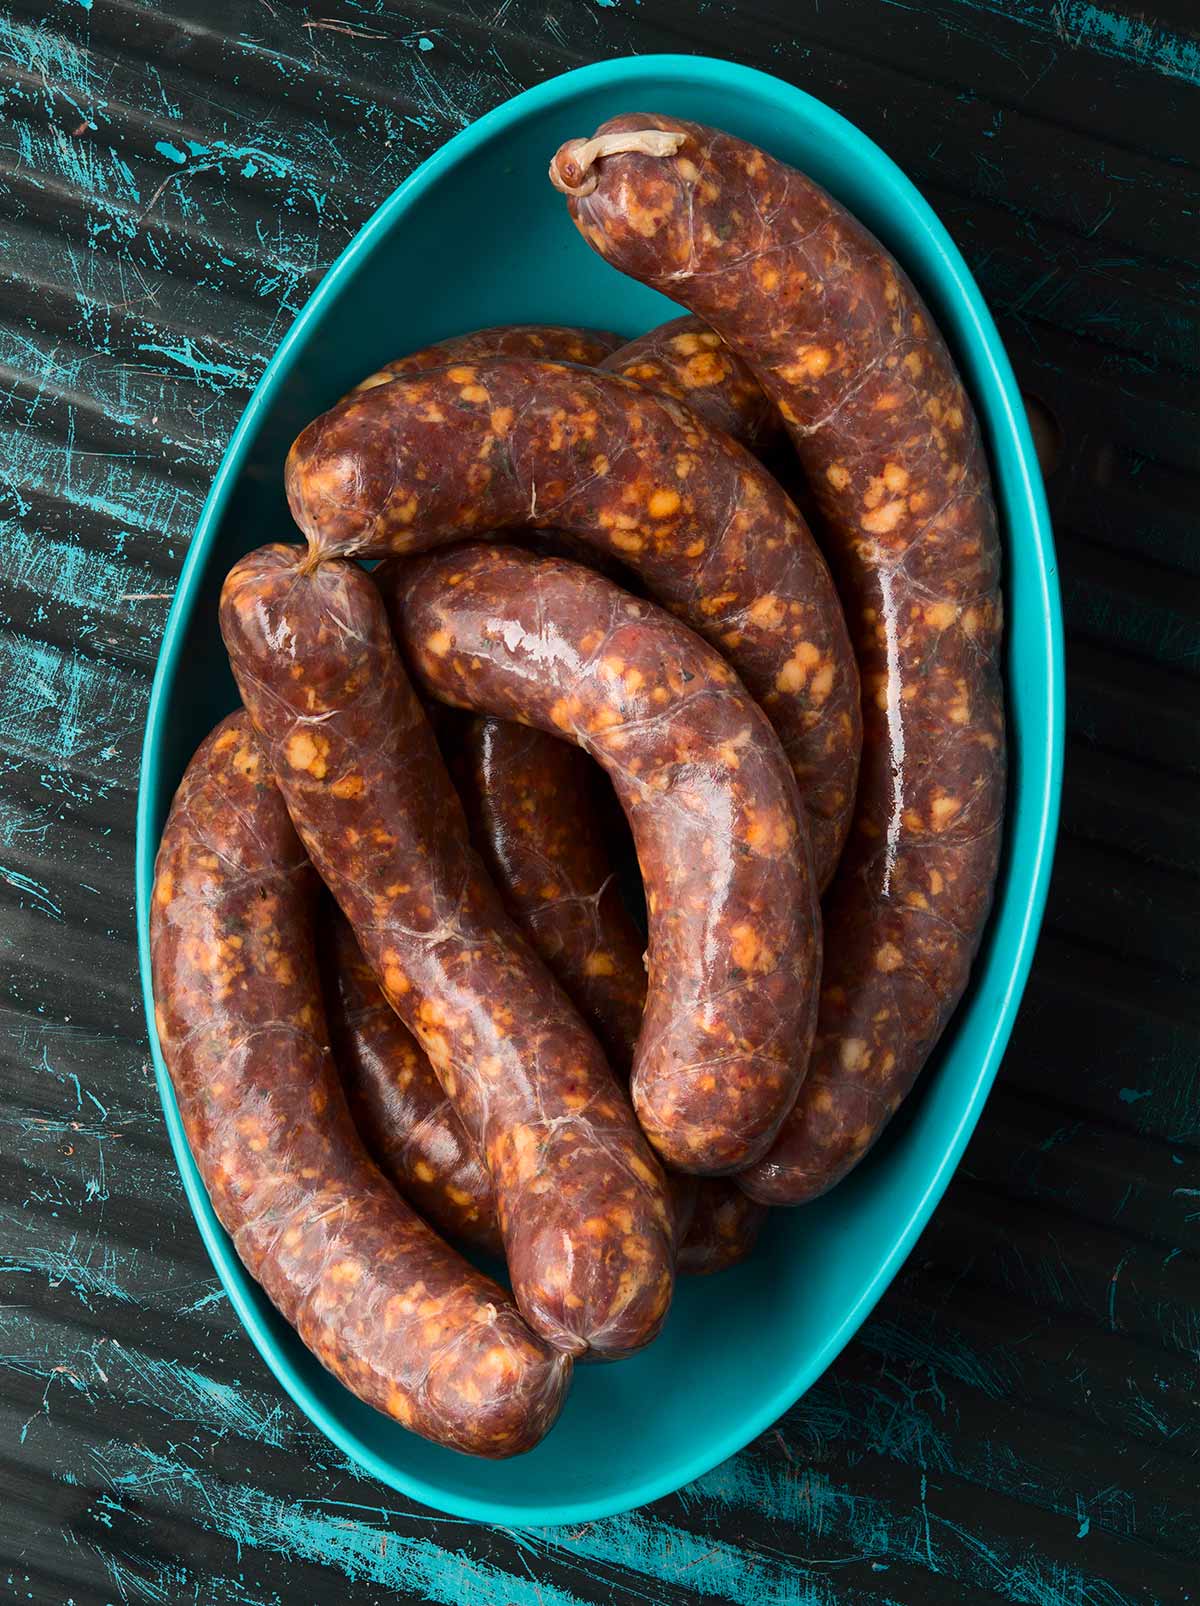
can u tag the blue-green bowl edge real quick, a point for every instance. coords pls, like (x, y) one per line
(1036, 848)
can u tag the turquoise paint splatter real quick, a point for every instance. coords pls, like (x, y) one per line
(186, 1394)
(218, 376)
(1132, 39)
(214, 1296)
(1108, 33)
(639, 1546)
(172, 152)
(171, 1582)
(91, 1271)
(361, 1551)
(51, 57)
(39, 897)
(51, 155)
(79, 577)
(121, 490)
(1131, 1095)
(942, 1352)
(64, 708)
(105, 1366)
(1112, 1290)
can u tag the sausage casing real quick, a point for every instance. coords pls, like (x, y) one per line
(734, 949)
(536, 820)
(885, 431)
(394, 1314)
(529, 797)
(722, 1230)
(409, 1126)
(582, 1202)
(688, 360)
(556, 342)
(506, 443)
(530, 800)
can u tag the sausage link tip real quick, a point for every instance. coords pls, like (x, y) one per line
(573, 169)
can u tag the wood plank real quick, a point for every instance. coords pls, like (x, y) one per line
(1018, 1420)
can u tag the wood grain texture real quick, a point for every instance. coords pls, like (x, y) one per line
(1019, 1420)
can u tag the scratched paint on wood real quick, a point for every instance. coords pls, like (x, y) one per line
(1019, 1419)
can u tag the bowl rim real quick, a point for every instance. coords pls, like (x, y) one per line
(1040, 787)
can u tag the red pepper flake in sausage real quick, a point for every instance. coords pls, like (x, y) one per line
(555, 342)
(734, 951)
(582, 1202)
(688, 360)
(884, 429)
(408, 1124)
(506, 443)
(394, 1313)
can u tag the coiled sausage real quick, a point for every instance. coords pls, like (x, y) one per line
(734, 950)
(534, 814)
(881, 423)
(582, 1202)
(394, 1314)
(683, 358)
(506, 443)
(411, 1129)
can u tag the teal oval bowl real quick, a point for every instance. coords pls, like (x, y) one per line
(477, 236)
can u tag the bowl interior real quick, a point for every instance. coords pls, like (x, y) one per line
(478, 236)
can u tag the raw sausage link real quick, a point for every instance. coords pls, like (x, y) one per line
(506, 443)
(734, 951)
(532, 803)
(394, 1314)
(723, 1228)
(411, 1129)
(886, 434)
(529, 797)
(407, 1123)
(582, 1202)
(555, 342)
(688, 360)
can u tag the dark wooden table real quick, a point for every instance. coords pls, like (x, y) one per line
(1018, 1421)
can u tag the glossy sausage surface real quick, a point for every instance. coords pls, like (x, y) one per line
(394, 1313)
(582, 1202)
(508, 443)
(882, 425)
(734, 949)
(409, 1126)
(537, 821)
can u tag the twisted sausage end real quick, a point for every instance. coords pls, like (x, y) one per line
(573, 169)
